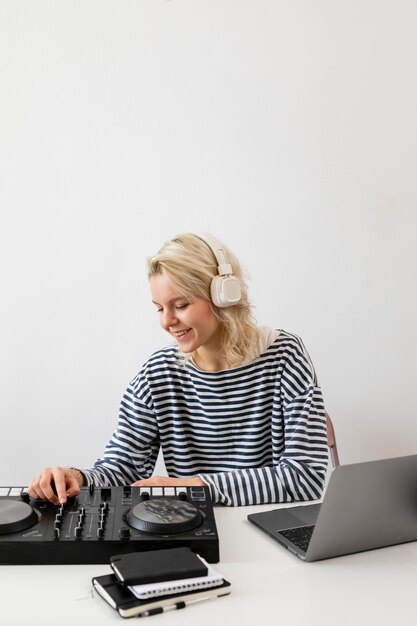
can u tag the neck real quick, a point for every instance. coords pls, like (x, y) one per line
(209, 361)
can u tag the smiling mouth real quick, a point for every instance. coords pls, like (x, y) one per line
(181, 333)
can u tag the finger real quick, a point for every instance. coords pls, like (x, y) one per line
(46, 486)
(60, 481)
(34, 490)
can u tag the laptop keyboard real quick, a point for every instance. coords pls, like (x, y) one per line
(299, 536)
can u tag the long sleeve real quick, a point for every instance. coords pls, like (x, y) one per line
(132, 450)
(299, 442)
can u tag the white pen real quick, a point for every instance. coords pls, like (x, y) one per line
(174, 607)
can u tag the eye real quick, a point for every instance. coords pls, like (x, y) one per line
(182, 306)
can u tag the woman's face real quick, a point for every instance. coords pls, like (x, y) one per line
(191, 322)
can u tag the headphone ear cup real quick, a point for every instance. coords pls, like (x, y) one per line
(225, 291)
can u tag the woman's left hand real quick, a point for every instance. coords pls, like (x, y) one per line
(167, 481)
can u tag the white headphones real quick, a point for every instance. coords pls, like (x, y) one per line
(225, 289)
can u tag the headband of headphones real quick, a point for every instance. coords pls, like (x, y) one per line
(225, 288)
(223, 266)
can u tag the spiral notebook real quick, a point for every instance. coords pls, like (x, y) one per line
(169, 587)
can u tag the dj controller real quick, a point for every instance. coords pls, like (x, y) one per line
(104, 521)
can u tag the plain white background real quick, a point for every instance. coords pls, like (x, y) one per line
(286, 128)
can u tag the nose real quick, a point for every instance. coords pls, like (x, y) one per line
(168, 319)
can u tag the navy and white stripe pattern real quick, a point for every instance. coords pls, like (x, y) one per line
(255, 434)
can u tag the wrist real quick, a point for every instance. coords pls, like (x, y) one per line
(78, 475)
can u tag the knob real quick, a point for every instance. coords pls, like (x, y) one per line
(57, 533)
(124, 533)
(25, 496)
(78, 532)
(105, 493)
(100, 532)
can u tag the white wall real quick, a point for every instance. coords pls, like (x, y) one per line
(287, 128)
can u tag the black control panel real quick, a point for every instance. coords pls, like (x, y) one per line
(104, 521)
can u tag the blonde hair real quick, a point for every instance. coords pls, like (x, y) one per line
(190, 265)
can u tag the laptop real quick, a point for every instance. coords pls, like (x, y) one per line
(366, 506)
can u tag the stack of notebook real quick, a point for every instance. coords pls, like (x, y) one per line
(146, 583)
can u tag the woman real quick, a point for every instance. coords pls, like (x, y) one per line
(233, 406)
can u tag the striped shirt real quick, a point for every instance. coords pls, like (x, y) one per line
(254, 434)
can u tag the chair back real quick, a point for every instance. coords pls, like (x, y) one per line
(331, 441)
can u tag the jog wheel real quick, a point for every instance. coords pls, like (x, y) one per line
(164, 516)
(16, 516)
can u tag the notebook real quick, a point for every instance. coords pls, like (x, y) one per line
(120, 598)
(155, 566)
(366, 506)
(181, 585)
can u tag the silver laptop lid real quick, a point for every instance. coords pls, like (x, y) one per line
(367, 505)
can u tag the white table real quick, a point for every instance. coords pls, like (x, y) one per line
(269, 586)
